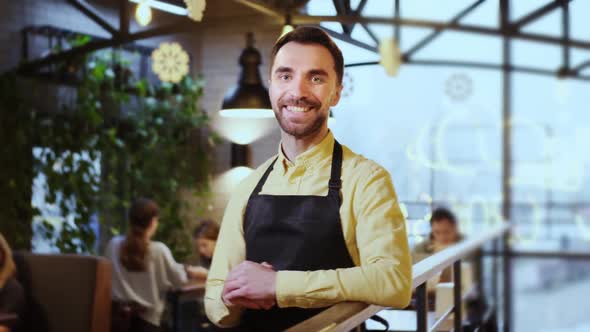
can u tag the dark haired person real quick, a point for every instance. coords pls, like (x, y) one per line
(315, 225)
(144, 270)
(444, 232)
(12, 295)
(204, 241)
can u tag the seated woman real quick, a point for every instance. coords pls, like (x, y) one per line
(144, 270)
(12, 295)
(204, 240)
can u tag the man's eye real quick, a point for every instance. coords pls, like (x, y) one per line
(317, 79)
(284, 77)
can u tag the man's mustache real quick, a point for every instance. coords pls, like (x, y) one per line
(299, 102)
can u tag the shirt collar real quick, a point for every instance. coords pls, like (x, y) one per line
(310, 158)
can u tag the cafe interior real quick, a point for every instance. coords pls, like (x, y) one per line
(474, 107)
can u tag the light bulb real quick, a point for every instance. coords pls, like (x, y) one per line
(286, 29)
(143, 13)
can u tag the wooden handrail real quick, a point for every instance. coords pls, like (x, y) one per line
(345, 316)
(432, 265)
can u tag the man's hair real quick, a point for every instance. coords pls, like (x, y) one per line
(441, 213)
(312, 35)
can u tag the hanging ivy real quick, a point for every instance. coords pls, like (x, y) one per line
(121, 138)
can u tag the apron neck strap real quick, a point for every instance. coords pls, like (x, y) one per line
(262, 181)
(334, 184)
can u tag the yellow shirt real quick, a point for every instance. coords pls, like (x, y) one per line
(372, 223)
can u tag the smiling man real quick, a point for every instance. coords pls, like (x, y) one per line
(315, 225)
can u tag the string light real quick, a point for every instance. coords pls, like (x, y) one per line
(143, 13)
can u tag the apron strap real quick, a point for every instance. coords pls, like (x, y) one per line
(335, 183)
(262, 181)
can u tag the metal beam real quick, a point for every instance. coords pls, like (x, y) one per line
(311, 19)
(397, 34)
(262, 8)
(419, 45)
(343, 8)
(506, 127)
(581, 66)
(124, 17)
(565, 30)
(518, 24)
(348, 39)
(475, 65)
(184, 26)
(92, 14)
(360, 7)
(370, 33)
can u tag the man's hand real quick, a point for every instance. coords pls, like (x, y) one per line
(250, 285)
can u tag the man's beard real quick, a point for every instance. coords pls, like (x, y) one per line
(308, 130)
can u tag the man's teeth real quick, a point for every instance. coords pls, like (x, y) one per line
(297, 109)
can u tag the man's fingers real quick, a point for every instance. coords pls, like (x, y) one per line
(231, 285)
(265, 264)
(236, 293)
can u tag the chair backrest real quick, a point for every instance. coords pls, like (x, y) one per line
(65, 292)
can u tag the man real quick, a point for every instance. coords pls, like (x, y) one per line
(316, 225)
(444, 232)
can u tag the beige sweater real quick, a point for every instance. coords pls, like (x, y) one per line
(147, 288)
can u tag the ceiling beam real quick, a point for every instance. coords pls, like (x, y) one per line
(422, 43)
(397, 14)
(343, 8)
(581, 66)
(360, 7)
(521, 22)
(311, 19)
(474, 65)
(184, 26)
(348, 39)
(370, 33)
(263, 8)
(565, 33)
(124, 17)
(93, 14)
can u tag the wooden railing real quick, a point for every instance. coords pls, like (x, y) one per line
(344, 317)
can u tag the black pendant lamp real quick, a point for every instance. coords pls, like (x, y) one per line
(249, 98)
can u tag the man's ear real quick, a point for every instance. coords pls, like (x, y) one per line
(337, 94)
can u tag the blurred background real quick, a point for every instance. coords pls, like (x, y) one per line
(479, 106)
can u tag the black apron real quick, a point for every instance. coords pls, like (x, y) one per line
(297, 233)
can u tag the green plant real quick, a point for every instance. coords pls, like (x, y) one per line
(15, 163)
(121, 138)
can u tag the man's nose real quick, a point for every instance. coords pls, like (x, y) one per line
(300, 88)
